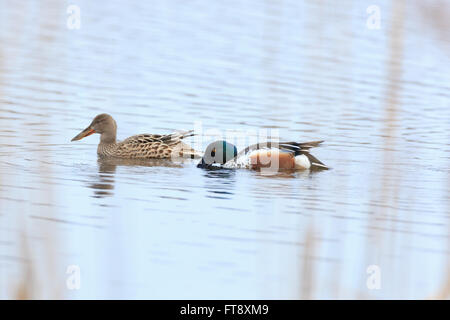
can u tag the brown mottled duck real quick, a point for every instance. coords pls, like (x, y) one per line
(141, 146)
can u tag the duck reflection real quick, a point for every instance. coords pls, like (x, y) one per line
(104, 186)
(220, 182)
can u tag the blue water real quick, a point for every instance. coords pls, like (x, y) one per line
(299, 70)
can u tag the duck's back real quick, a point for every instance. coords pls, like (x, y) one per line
(149, 146)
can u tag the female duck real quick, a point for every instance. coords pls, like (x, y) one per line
(142, 146)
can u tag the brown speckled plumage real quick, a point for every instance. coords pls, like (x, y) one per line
(142, 146)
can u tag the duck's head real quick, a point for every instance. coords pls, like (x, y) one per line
(103, 124)
(218, 152)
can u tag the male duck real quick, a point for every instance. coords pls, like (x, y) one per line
(268, 155)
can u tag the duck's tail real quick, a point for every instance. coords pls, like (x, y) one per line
(302, 148)
(187, 151)
(182, 149)
(315, 163)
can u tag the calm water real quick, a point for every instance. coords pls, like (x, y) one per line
(298, 69)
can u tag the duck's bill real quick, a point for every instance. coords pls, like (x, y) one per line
(204, 165)
(86, 132)
(214, 166)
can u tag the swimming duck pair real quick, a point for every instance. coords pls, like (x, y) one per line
(274, 155)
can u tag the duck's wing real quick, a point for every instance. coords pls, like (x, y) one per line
(296, 148)
(168, 139)
(157, 146)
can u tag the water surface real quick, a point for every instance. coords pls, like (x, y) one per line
(297, 69)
